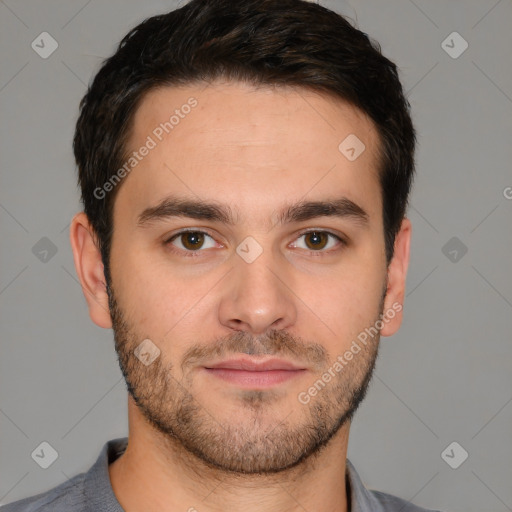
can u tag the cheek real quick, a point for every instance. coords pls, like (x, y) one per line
(166, 304)
(346, 306)
(148, 295)
(342, 304)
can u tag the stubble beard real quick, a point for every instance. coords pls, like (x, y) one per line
(261, 442)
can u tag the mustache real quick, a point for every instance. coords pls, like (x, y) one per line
(273, 342)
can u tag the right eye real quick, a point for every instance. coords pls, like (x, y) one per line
(190, 241)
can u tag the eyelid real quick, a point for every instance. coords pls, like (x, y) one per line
(328, 231)
(168, 239)
(192, 229)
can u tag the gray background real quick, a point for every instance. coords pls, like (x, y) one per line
(446, 376)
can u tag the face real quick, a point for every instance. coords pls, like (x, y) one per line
(246, 236)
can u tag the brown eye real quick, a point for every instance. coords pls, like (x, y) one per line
(319, 241)
(316, 239)
(191, 241)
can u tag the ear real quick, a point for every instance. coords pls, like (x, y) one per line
(397, 272)
(89, 269)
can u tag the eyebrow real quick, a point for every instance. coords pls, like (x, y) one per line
(173, 206)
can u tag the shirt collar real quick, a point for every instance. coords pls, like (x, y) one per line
(99, 495)
(359, 498)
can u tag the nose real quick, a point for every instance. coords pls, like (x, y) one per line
(258, 296)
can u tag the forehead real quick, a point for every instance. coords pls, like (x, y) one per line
(249, 147)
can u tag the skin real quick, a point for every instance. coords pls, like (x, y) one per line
(256, 150)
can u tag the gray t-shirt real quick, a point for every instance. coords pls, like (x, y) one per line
(92, 491)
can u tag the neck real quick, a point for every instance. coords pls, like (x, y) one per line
(158, 474)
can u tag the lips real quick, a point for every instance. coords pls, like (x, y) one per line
(253, 365)
(251, 373)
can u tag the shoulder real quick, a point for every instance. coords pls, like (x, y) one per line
(390, 503)
(85, 492)
(363, 499)
(68, 496)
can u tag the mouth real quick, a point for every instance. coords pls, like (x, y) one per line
(251, 373)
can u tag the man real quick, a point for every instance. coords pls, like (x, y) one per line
(245, 168)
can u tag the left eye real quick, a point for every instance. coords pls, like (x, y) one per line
(319, 240)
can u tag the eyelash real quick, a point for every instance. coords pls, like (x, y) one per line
(195, 254)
